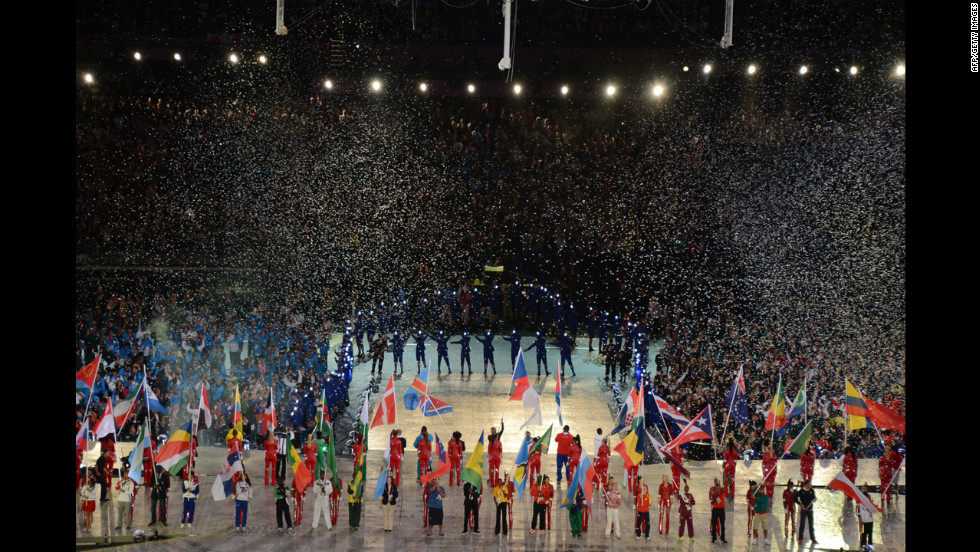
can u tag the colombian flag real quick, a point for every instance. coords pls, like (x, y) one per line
(856, 407)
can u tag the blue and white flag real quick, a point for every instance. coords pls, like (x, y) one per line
(737, 401)
(224, 484)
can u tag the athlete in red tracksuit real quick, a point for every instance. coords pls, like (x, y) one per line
(602, 464)
(534, 461)
(397, 452)
(806, 464)
(455, 458)
(575, 455)
(789, 508)
(769, 470)
(496, 451)
(148, 463)
(750, 502)
(309, 454)
(423, 445)
(731, 460)
(666, 491)
(850, 466)
(887, 467)
(678, 453)
(270, 459)
(298, 501)
(109, 445)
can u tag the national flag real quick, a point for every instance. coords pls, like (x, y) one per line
(379, 487)
(125, 408)
(545, 439)
(324, 414)
(519, 378)
(432, 406)
(843, 484)
(360, 470)
(582, 480)
(331, 459)
(268, 422)
(699, 428)
(81, 438)
(884, 417)
(626, 414)
(627, 449)
(152, 402)
(737, 400)
(670, 414)
(224, 484)
(558, 395)
(442, 464)
(236, 417)
(856, 407)
(799, 445)
(106, 425)
(203, 411)
(136, 457)
(176, 452)
(386, 409)
(418, 390)
(85, 378)
(777, 411)
(520, 472)
(531, 399)
(301, 474)
(473, 472)
(798, 409)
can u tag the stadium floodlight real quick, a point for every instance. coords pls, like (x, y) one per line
(658, 90)
(470, 88)
(376, 85)
(707, 68)
(686, 68)
(177, 56)
(564, 90)
(610, 90)
(803, 69)
(900, 70)
(137, 56)
(423, 87)
(751, 70)
(88, 78)
(328, 84)
(517, 89)
(854, 70)
(263, 60)
(233, 59)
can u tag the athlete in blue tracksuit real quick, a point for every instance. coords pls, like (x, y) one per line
(382, 319)
(359, 334)
(442, 350)
(565, 347)
(464, 354)
(487, 351)
(420, 338)
(572, 320)
(398, 350)
(515, 346)
(539, 345)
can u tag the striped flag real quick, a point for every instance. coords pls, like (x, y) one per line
(856, 406)
(301, 474)
(324, 414)
(136, 457)
(670, 413)
(843, 484)
(386, 410)
(432, 406)
(85, 378)
(81, 438)
(799, 445)
(224, 483)
(699, 428)
(558, 395)
(798, 409)
(125, 408)
(473, 472)
(268, 422)
(418, 390)
(777, 412)
(176, 452)
(106, 425)
(519, 378)
(203, 411)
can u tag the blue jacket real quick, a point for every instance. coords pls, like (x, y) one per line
(464, 342)
(487, 343)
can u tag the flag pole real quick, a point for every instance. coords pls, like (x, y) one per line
(724, 432)
(779, 387)
(149, 433)
(895, 475)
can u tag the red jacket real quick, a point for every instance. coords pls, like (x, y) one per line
(270, 448)
(789, 500)
(731, 459)
(396, 447)
(603, 452)
(455, 449)
(564, 441)
(496, 449)
(806, 462)
(309, 450)
(717, 496)
(769, 466)
(574, 455)
(666, 491)
(850, 466)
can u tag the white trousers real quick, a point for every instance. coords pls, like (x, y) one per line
(612, 516)
(321, 505)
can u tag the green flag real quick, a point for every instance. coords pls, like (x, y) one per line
(473, 472)
(331, 460)
(799, 445)
(546, 439)
(360, 470)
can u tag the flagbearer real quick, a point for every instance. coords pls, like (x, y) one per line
(322, 489)
(281, 493)
(543, 494)
(126, 491)
(686, 510)
(281, 447)
(806, 463)
(866, 515)
(270, 459)
(769, 469)
(761, 513)
(243, 495)
(731, 460)
(501, 495)
(614, 499)
(471, 507)
(191, 489)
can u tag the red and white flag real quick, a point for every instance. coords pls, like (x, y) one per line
(107, 424)
(386, 410)
(843, 484)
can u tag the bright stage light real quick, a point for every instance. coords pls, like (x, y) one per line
(177, 57)
(517, 89)
(900, 70)
(803, 69)
(658, 90)
(89, 78)
(233, 58)
(470, 88)
(610, 90)
(328, 84)
(686, 68)
(376, 85)
(707, 68)
(263, 60)
(564, 90)
(751, 69)
(423, 87)
(137, 56)
(854, 70)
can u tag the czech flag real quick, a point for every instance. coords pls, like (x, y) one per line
(520, 378)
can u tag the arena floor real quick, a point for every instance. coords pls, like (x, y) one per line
(478, 403)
